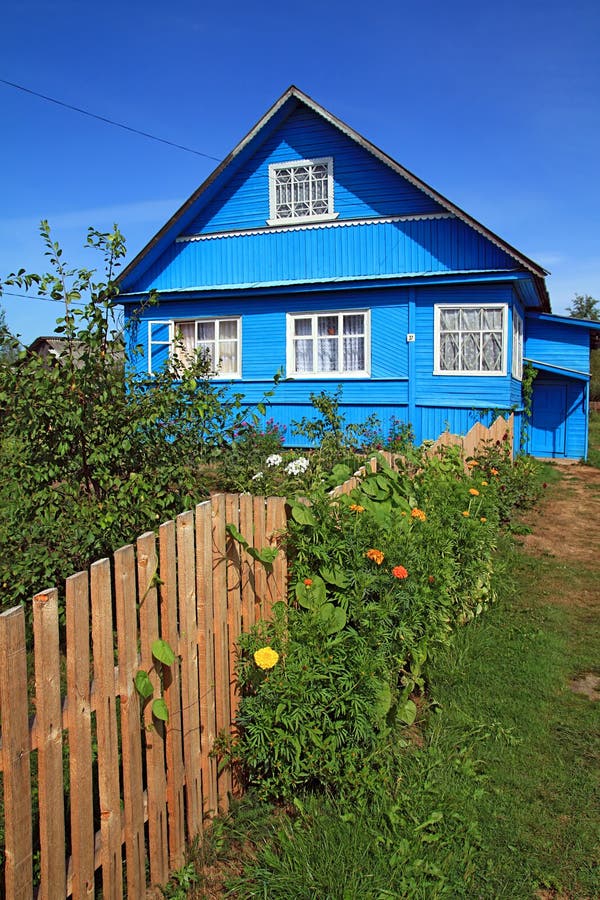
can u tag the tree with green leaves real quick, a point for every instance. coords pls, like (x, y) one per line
(583, 306)
(93, 453)
(8, 343)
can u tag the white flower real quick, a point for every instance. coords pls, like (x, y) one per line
(297, 466)
(274, 459)
(257, 476)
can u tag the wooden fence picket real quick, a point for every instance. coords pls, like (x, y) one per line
(106, 730)
(48, 725)
(18, 830)
(172, 695)
(79, 710)
(131, 719)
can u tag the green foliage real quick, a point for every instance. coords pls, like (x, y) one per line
(335, 439)
(380, 579)
(9, 345)
(583, 306)
(512, 483)
(92, 453)
(595, 371)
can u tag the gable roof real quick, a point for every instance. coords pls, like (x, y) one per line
(289, 101)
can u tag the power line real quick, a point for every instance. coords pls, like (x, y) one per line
(85, 112)
(28, 296)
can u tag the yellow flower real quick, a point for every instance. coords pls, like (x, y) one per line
(418, 514)
(376, 555)
(356, 507)
(466, 513)
(484, 484)
(266, 658)
(483, 519)
(474, 491)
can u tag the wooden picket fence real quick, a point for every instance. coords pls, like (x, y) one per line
(108, 796)
(477, 436)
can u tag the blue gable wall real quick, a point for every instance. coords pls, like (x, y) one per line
(364, 187)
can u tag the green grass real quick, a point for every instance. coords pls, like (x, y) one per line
(505, 679)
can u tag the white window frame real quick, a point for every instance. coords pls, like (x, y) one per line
(339, 372)
(274, 219)
(437, 369)
(517, 346)
(217, 320)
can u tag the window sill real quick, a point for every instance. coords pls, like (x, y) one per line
(303, 220)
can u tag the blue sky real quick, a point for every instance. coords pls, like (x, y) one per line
(497, 106)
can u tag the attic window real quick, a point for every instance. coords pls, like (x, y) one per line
(301, 191)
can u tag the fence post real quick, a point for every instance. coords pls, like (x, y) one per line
(18, 874)
(106, 730)
(79, 710)
(48, 703)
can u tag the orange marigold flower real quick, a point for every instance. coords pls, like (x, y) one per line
(418, 514)
(308, 582)
(483, 519)
(399, 572)
(495, 472)
(472, 463)
(466, 513)
(474, 491)
(356, 507)
(376, 555)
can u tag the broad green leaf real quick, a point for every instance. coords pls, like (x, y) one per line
(334, 617)
(311, 596)
(384, 699)
(266, 556)
(236, 535)
(160, 710)
(303, 515)
(335, 575)
(162, 651)
(408, 712)
(143, 685)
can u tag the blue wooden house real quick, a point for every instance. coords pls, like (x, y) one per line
(310, 251)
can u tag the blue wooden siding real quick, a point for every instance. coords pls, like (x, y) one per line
(363, 186)
(264, 331)
(557, 344)
(322, 253)
(456, 391)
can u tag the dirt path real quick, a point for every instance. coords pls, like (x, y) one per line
(566, 525)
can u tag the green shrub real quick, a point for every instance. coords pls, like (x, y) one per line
(379, 579)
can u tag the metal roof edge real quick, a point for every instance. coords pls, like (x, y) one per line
(559, 370)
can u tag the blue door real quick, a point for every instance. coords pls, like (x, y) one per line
(548, 420)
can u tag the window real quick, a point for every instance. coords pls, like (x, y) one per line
(301, 191)
(327, 344)
(218, 338)
(470, 340)
(517, 347)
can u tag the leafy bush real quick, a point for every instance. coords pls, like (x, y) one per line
(92, 453)
(379, 580)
